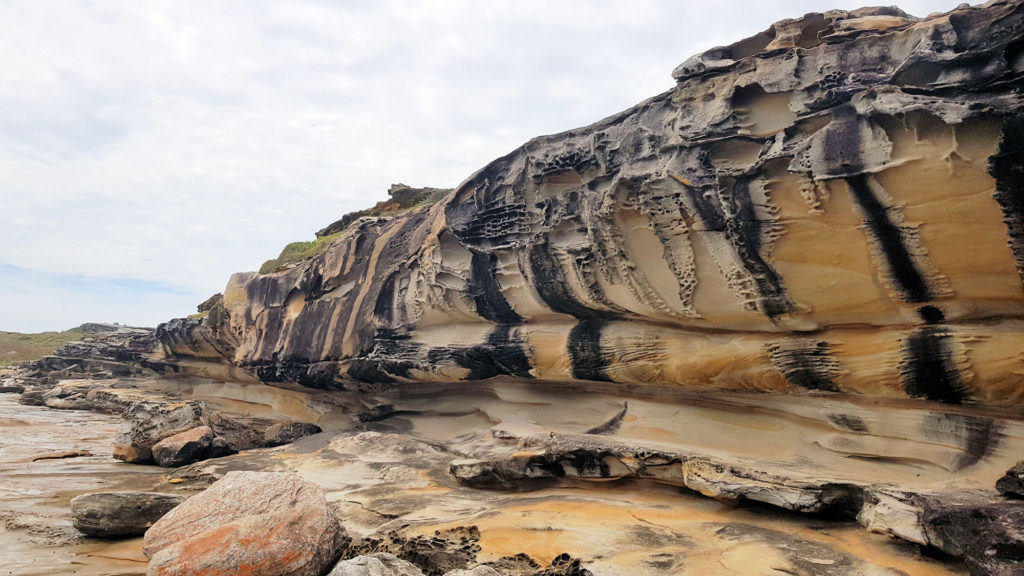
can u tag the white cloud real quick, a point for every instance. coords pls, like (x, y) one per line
(177, 142)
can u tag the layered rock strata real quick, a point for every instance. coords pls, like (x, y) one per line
(831, 205)
(105, 351)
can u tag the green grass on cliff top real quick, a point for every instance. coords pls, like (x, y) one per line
(16, 347)
(298, 251)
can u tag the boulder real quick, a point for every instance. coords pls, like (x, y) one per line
(267, 523)
(147, 423)
(32, 398)
(184, 448)
(67, 398)
(120, 514)
(990, 537)
(381, 564)
(219, 447)
(239, 433)
(1011, 484)
(288, 432)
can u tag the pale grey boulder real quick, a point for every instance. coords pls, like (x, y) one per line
(380, 564)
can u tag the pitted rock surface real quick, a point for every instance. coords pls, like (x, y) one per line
(435, 555)
(482, 570)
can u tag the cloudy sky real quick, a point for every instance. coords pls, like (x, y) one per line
(148, 149)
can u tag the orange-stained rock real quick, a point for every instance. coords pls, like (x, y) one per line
(258, 523)
(183, 448)
(278, 544)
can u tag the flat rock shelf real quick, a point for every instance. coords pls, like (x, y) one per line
(388, 478)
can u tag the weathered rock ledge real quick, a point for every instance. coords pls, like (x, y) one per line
(977, 525)
(114, 370)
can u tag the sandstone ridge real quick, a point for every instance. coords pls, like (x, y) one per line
(833, 205)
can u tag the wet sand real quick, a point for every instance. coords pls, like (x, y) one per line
(36, 535)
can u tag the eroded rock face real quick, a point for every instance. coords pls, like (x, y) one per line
(106, 351)
(147, 423)
(248, 523)
(990, 538)
(964, 522)
(833, 204)
(597, 458)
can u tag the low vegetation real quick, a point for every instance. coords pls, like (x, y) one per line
(299, 251)
(16, 347)
(403, 199)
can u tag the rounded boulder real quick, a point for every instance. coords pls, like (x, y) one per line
(267, 523)
(120, 514)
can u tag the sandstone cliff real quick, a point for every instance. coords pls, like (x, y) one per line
(835, 204)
